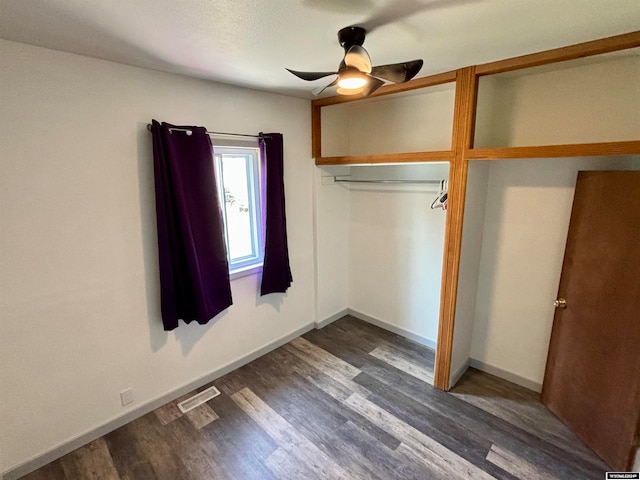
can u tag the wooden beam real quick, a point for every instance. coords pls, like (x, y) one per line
(557, 151)
(572, 52)
(413, 157)
(316, 131)
(422, 82)
(462, 140)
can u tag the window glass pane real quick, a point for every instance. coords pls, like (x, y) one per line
(237, 198)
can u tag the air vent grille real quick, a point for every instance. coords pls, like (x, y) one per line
(198, 399)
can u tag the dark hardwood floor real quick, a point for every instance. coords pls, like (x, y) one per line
(350, 401)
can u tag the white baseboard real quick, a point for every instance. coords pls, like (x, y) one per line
(505, 375)
(332, 318)
(457, 375)
(394, 329)
(87, 437)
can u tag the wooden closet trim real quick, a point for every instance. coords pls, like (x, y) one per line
(432, 156)
(563, 54)
(316, 132)
(555, 151)
(464, 117)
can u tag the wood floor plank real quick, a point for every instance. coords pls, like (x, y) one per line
(381, 461)
(517, 466)
(91, 462)
(199, 458)
(441, 426)
(201, 416)
(396, 359)
(128, 456)
(242, 446)
(480, 421)
(52, 471)
(333, 367)
(170, 412)
(320, 406)
(284, 466)
(325, 383)
(162, 455)
(366, 337)
(434, 454)
(287, 437)
(456, 423)
(343, 345)
(321, 402)
(321, 423)
(519, 407)
(322, 357)
(236, 429)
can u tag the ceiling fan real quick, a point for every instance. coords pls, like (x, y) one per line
(355, 73)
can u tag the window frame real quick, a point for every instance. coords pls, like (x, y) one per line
(253, 263)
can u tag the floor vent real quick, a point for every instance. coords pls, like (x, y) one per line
(198, 399)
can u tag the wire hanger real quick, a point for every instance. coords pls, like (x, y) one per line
(441, 198)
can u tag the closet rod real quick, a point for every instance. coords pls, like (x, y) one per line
(171, 129)
(425, 182)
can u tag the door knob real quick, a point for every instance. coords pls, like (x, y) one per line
(560, 303)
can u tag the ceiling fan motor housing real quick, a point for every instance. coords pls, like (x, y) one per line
(350, 36)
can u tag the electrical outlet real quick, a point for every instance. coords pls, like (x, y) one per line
(126, 396)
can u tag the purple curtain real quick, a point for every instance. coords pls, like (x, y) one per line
(194, 274)
(276, 272)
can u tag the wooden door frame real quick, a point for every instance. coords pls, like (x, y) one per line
(462, 152)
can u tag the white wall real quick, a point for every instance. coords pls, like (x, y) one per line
(78, 261)
(414, 121)
(332, 210)
(474, 212)
(395, 249)
(380, 247)
(574, 102)
(528, 207)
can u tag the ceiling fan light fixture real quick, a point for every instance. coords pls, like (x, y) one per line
(349, 91)
(352, 83)
(351, 79)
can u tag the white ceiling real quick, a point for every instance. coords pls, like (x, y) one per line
(250, 42)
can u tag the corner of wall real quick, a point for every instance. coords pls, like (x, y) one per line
(469, 268)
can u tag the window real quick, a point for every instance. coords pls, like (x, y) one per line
(238, 174)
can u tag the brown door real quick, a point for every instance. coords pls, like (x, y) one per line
(592, 378)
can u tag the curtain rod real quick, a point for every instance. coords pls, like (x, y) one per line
(427, 182)
(171, 129)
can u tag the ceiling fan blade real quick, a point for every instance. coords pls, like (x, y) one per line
(397, 72)
(309, 76)
(358, 57)
(319, 90)
(399, 10)
(372, 85)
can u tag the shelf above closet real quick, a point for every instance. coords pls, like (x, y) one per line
(412, 157)
(556, 151)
